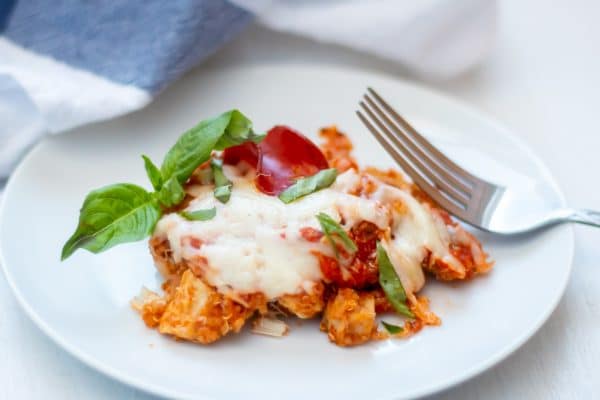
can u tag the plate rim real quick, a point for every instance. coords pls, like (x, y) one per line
(452, 381)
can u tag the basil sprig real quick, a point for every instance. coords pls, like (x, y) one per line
(391, 284)
(335, 233)
(125, 212)
(199, 215)
(222, 184)
(112, 215)
(153, 173)
(195, 146)
(304, 186)
(391, 328)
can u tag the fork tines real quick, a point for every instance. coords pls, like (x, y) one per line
(444, 181)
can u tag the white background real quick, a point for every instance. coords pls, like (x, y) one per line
(542, 80)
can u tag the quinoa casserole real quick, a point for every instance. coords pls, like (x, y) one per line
(258, 229)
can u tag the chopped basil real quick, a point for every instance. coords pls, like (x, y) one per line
(124, 212)
(334, 231)
(153, 173)
(391, 284)
(392, 329)
(113, 215)
(308, 185)
(199, 215)
(222, 184)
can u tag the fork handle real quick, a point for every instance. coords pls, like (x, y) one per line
(587, 217)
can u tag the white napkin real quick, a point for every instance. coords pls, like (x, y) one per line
(21, 124)
(436, 39)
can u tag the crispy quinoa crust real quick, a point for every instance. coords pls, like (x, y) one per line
(305, 305)
(349, 318)
(191, 309)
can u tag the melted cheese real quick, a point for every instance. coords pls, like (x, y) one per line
(254, 244)
(415, 230)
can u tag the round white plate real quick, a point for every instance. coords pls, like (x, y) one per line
(83, 303)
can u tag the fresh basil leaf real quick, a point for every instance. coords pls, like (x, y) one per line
(238, 131)
(222, 184)
(195, 146)
(112, 215)
(391, 328)
(171, 193)
(125, 212)
(332, 231)
(305, 186)
(199, 215)
(223, 193)
(391, 284)
(153, 173)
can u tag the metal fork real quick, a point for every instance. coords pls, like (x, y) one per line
(491, 207)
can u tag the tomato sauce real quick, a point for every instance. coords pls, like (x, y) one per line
(362, 270)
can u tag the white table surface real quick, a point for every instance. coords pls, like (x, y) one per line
(543, 81)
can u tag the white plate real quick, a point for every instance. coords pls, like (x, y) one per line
(83, 304)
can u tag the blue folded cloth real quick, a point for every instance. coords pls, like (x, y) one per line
(144, 44)
(72, 62)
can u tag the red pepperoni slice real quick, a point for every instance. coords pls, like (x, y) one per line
(282, 157)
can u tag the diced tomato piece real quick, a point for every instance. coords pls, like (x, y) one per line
(363, 273)
(358, 275)
(311, 234)
(195, 242)
(330, 269)
(362, 270)
(364, 234)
